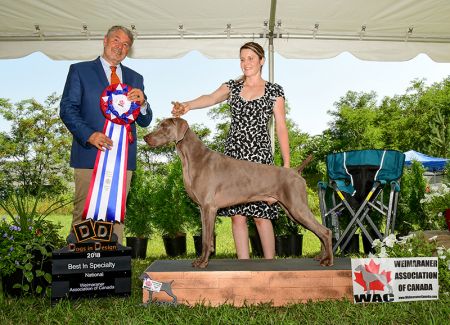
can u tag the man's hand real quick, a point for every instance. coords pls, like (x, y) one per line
(100, 141)
(136, 95)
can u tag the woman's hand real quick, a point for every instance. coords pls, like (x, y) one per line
(179, 109)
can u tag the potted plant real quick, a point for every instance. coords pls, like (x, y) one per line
(171, 207)
(288, 236)
(195, 226)
(139, 213)
(26, 242)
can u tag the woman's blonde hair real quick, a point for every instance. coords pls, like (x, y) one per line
(255, 47)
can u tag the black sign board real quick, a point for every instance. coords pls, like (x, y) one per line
(92, 269)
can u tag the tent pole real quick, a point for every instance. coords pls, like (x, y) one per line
(271, 52)
(273, 7)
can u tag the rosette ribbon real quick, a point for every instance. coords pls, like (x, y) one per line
(107, 192)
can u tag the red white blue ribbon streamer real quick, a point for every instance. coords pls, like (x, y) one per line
(107, 192)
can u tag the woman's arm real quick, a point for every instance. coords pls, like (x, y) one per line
(282, 131)
(215, 97)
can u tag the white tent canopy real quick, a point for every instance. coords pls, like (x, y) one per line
(382, 30)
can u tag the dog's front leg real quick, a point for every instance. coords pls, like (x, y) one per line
(208, 216)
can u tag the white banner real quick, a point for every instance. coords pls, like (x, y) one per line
(395, 279)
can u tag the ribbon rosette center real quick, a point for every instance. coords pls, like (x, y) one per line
(121, 103)
(115, 105)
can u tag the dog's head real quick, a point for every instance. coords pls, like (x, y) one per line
(169, 130)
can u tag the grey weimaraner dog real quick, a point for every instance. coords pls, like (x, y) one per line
(215, 181)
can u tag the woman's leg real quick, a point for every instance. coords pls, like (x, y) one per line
(240, 235)
(265, 231)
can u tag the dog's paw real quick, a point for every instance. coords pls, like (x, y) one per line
(200, 263)
(203, 265)
(326, 261)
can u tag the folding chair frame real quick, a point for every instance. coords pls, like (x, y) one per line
(371, 202)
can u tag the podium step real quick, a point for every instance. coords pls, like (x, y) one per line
(254, 281)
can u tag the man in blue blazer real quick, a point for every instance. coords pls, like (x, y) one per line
(80, 111)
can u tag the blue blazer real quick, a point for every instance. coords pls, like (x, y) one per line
(80, 110)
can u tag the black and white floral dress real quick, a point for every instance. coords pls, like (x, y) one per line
(249, 139)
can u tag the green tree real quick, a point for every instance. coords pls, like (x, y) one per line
(355, 124)
(320, 146)
(221, 114)
(413, 124)
(439, 135)
(297, 141)
(152, 159)
(419, 119)
(436, 99)
(390, 115)
(35, 153)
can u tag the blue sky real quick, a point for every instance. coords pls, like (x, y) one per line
(311, 86)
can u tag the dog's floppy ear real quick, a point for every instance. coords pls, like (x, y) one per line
(181, 127)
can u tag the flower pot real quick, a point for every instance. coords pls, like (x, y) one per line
(138, 247)
(255, 244)
(8, 282)
(447, 218)
(17, 276)
(295, 244)
(198, 245)
(289, 245)
(280, 246)
(175, 246)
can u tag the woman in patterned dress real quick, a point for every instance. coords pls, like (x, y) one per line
(253, 101)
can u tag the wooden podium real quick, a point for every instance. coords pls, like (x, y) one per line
(254, 281)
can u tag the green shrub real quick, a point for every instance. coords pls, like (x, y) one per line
(139, 213)
(410, 213)
(173, 208)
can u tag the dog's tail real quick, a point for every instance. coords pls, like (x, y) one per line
(304, 164)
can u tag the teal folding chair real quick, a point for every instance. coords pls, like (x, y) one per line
(356, 180)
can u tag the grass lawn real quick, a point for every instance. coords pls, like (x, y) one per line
(127, 310)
